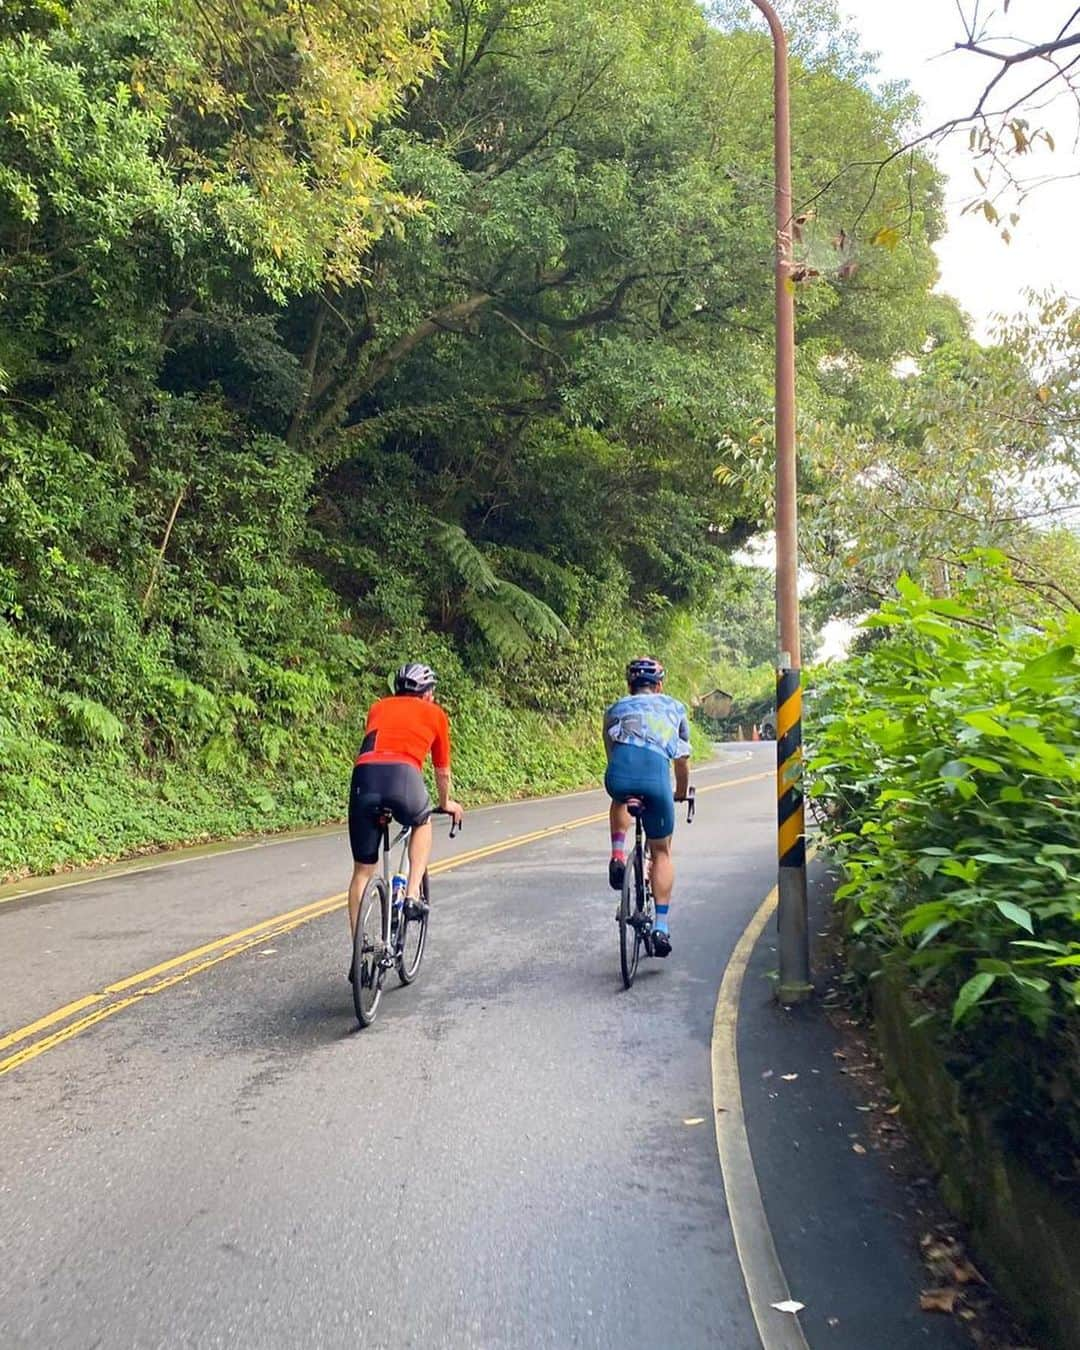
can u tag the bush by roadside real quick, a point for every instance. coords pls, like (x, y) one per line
(947, 754)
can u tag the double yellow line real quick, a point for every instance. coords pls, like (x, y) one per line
(37, 1037)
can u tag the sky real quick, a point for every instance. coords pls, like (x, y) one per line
(914, 40)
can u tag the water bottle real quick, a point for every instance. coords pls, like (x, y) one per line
(398, 883)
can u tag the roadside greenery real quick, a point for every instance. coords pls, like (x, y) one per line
(948, 754)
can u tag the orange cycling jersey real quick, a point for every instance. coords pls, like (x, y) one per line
(402, 730)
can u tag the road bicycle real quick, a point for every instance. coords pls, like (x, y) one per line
(391, 931)
(637, 909)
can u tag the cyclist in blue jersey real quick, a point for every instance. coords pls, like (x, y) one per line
(644, 734)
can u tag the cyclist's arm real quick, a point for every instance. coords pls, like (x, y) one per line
(440, 759)
(682, 760)
(443, 787)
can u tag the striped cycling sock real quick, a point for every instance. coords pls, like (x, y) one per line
(661, 918)
(618, 844)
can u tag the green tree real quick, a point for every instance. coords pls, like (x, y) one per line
(975, 449)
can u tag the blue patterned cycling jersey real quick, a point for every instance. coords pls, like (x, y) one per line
(653, 721)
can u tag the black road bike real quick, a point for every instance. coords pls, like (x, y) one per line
(388, 936)
(637, 909)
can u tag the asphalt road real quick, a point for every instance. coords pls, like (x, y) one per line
(503, 1160)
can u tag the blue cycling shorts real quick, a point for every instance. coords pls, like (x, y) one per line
(634, 771)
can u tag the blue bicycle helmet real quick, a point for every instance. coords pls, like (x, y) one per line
(644, 670)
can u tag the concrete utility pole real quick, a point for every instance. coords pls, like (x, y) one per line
(794, 985)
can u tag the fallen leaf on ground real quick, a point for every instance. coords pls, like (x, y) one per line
(833, 1321)
(963, 1272)
(938, 1300)
(767, 1074)
(892, 1110)
(789, 1077)
(838, 1054)
(789, 1305)
(857, 1148)
(694, 1120)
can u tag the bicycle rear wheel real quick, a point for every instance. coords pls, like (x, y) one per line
(413, 940)
(630, 909)
(368, 950)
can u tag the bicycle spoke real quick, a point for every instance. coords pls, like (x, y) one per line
(369, 950)
(413, 940)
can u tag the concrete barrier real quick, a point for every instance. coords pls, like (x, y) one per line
(1024, 1231)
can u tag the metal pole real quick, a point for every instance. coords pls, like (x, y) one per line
(794, 983)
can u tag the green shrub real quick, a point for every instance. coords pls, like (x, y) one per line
(948, 755)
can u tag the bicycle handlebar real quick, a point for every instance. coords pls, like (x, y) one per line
(456, 826)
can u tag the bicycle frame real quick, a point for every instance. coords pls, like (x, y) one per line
(642, 919)
(402, 837)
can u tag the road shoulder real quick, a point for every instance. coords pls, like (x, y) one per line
(844, 1224)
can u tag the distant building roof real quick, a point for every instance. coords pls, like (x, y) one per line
(716, 704)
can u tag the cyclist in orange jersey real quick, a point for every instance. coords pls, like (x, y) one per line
(400, 733)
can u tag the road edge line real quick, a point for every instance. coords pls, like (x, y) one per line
(763, 1275)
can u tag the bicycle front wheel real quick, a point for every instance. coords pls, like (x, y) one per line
(413, 940)
(368, 950)
(631, 908)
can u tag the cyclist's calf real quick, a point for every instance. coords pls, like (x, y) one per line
(662, 871)
(419, 856)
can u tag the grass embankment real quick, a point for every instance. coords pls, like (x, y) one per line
(82, 807)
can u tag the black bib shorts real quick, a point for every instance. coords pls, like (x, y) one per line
(382, 783)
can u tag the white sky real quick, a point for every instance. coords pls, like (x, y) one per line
(986, 275)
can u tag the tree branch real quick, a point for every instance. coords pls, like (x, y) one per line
(358, 382)
(164, 545)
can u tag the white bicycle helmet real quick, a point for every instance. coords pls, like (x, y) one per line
(414, 678)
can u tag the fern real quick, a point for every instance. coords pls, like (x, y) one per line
(511, 618)
(472, 568)
(538, 619)
(91, 720)
(223, 753)
(503, 632)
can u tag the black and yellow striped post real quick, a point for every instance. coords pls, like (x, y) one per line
(794, 984)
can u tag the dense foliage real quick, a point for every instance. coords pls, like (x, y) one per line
(331, 333)
(950, 756)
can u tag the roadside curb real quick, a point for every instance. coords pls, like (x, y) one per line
(843, 1222)
(763, 1274)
